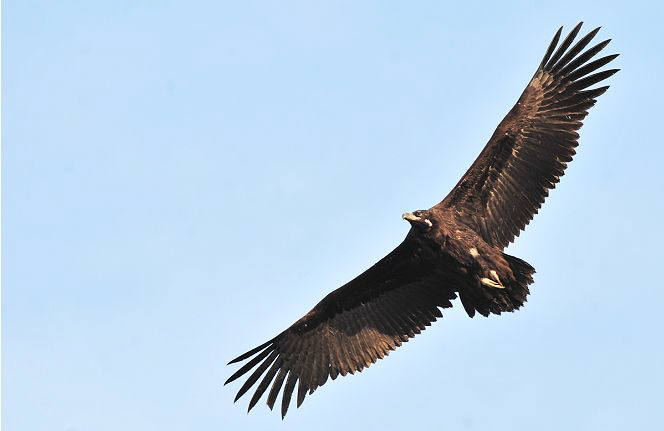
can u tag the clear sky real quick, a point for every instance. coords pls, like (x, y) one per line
(182, 180)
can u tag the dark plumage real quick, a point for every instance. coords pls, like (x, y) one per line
(454, 248)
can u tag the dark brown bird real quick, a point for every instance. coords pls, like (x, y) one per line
(454, 248)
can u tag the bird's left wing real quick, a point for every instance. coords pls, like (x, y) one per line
(530, 149)
(350, 328)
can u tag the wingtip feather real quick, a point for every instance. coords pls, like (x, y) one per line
(249, 353)
(551, 48)
(563, 46)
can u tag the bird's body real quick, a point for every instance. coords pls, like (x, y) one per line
(454, 249)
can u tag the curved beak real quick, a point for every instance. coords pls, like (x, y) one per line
(410, 217)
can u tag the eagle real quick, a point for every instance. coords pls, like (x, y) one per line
(453, 249)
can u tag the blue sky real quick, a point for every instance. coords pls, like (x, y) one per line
(182, 180)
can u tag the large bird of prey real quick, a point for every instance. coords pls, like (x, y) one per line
(454, 248)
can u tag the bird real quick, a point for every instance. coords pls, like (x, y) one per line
(454, 249)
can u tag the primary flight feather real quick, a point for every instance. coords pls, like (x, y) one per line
(453, 249)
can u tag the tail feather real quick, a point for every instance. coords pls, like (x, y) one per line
(523, 274)
(493, 300)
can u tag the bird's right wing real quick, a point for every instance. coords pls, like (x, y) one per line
(351, 327)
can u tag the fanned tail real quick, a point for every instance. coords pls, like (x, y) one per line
(476, 297)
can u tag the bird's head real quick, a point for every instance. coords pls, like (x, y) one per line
(419, 219)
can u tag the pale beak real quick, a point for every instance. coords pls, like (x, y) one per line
(410, 217)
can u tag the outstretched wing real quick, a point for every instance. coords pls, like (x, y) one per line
(351, 327)
(529, 151)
